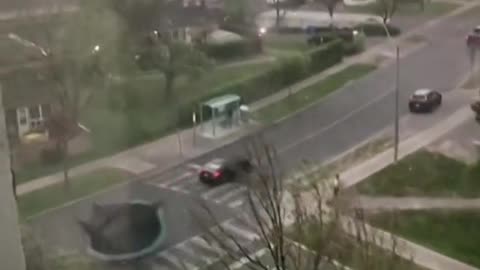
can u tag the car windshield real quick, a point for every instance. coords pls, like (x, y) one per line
(419, 97)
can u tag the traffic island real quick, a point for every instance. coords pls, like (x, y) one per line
(124, 232)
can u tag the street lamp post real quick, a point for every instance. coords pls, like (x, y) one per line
(397, 97)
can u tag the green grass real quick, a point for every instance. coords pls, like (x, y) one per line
(432, 9)
(453, 233)
(348, 251)
(286, 42)
(312, 94)
(81, 186)
(424, 174)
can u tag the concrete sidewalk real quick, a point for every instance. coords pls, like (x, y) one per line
(413, 203)
(176, 148)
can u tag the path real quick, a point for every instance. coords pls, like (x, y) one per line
(406, 203)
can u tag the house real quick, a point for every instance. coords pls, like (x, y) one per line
(27, 102)
(189, 20)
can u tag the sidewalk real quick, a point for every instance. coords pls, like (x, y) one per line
(164, 153)
(414, 203)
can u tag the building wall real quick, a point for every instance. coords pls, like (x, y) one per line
(11, 251)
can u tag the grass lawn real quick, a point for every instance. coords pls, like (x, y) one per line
(81, 186)
(349, 252)
(286, 42)
(453, 233)
(312, 94)
(432, 9)
(424, 174)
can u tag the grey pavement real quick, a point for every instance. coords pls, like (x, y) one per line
(414, 203)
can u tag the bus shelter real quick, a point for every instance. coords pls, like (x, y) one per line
(220, 115)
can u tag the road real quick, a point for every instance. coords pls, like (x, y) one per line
(347, 117)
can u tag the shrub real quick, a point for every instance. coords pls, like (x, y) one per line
(326, 56)
(233, 49)
(378, 30)
(358, 45)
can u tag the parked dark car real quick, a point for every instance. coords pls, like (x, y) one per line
(473, 39)
(424, 100)
(219, 171)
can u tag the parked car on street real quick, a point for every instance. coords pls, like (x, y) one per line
(219, 170)
(424, 100)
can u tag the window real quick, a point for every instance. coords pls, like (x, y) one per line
(34, 112)
(22, 116)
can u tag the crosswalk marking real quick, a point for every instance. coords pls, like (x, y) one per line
(188, 250)
(213, 247)
(176, 179)
(237, 265)
(231, 194)
(239, 231)
(181, 264)
(220, 189)
(236, 203)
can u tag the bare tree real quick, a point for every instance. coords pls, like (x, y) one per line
(173, 58)
(300, 229)
(331, 5)
(386, 9)
(76, 50)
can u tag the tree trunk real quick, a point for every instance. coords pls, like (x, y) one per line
(277, 13)
(66, 176)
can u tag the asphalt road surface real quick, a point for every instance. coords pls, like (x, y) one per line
(347, 117)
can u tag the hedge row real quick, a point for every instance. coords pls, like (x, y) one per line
(232, 49)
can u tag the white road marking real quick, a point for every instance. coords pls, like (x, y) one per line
(231, 194)
(238, 264)
(201, 242)
(336, 122)
(216, 190)
(188, 249)
(175, 180)
(228, 226)
(181, 264)
(236, 203)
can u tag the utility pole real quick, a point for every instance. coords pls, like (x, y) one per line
(397, 97)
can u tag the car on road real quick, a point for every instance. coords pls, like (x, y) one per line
(424, 100)
(219, 170)
(473, 39)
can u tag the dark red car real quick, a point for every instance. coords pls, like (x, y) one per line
(219, 171)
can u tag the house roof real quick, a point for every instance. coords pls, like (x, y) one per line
(23, 88)
(221, 101)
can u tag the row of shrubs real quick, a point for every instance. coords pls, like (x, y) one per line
(234, 49)
(370, 30)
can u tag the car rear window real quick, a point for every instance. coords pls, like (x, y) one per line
(419, 97)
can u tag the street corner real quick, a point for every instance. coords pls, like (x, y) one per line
(462, 144)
